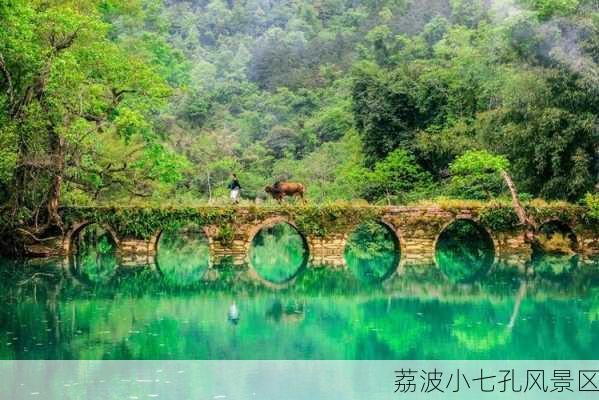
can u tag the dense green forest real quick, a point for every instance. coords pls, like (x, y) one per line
(150, 101)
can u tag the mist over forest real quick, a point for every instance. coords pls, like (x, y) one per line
(387, 101)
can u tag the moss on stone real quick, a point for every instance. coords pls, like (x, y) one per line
(143, 223)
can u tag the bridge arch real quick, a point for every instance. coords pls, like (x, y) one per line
(154, 243)
(185, 255)
(554, 225)
(397, 235)
(269, 223)
(401, 245)
(480, 226)
(253, 232)
(72, 233)
(72, 262)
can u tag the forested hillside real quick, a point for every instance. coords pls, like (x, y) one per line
(114, 101)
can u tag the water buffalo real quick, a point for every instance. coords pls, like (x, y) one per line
(281, 189)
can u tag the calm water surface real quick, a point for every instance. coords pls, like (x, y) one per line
(186, 308)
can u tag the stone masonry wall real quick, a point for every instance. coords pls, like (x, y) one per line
(328, 250)
(417, 229)
(134, 252)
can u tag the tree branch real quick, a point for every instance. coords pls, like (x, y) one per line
(35, 276)
(8, 77)
(39, 240)
(117, 94)
(92, 118)
(37, 89)
(117, 97)
(64, 43)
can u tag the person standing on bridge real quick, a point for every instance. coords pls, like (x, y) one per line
(235, 188)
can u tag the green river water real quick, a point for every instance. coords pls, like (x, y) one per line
(281, 307)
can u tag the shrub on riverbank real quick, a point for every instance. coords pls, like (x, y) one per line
(592, 204)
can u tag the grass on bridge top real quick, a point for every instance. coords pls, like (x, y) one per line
(144, 219)
(442, 202)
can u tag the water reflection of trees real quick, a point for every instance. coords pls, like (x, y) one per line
(183, 255)
(372, 252)
(406, 319)
(286, 311)
(555, 266)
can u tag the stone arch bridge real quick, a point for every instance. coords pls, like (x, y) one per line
(230, 230)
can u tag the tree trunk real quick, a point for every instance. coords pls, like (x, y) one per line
(18, 188)
(36, 91)
(525, 220)
(54, 218)
(56, 150)
(209, 187)
(19, 181)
